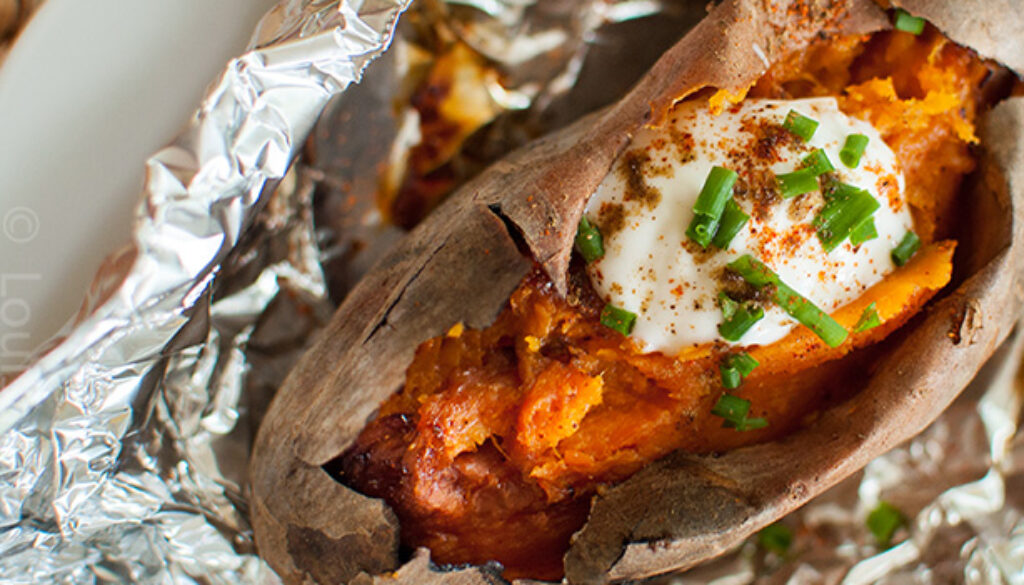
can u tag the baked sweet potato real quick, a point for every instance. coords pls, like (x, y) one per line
(461, 265)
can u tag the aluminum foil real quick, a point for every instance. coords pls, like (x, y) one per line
(123, 450)
(118, 451)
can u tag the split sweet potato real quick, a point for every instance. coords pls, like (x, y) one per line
(461, 265)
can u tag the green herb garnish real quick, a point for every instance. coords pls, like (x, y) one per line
(736, 367)
(742, 362)
(800, 125)
(796, 183)
(702, 229)
(818, 162)
(735, 410)
(588, 241)
(839, 190)
(732, 221)
(776, 538)
(907, 23)
(618, 319)
(863, 232)
(792, 302)
(727, 305)
(853, 149)
(868, 319)
(907, 247)
(808, 314)
(753, 271)
(707, 210)
(883, 522)
(844, 211)
(740, 320)
(731, 377)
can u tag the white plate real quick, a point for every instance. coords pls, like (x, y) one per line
(88, 92)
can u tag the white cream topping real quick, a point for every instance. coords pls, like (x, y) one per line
(643, 207)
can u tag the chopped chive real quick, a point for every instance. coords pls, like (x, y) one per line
(863, 232)
(907, 247)
(776, 538)
(736, 367)
(702, 229)
(853, 149)
(715, 192)
(818, 162)
(792, 302)
(731, 377)
(800, 125)
(733, 220)
(839, 190)
(731, 408)
(618, 319)
(907, 23)
(797, 182)
(809, 315)
(753, 271)
(843, 212)
(588, 241)
(751, 424)
(707, 210)
(742, 362)
(868, 319)
(727, 305)
(883, 522)
(743, 318)
(734, 410)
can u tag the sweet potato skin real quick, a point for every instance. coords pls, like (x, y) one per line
(310, 528)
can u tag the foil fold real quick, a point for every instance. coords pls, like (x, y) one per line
(114, 444)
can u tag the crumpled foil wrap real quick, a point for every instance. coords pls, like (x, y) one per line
(123, 450)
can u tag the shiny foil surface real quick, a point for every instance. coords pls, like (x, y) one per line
(123, 451)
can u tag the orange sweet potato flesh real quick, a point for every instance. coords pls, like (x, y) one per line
(517, 425)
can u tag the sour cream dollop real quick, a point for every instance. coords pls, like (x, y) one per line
(643, 207)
